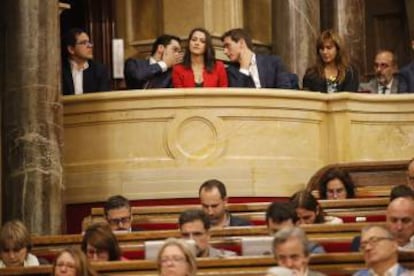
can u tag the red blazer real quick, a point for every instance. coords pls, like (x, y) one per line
(183, 77)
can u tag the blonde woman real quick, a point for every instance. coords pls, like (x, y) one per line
(176, 258)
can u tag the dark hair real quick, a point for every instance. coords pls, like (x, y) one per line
(304, 199)
(343, 176)
(237, 34)
(82, 264)
(163, 40)
(191, 215)
(401, 191)
(211, 184)
(209, 54)
(70, 37)
(280, 211)
(101, 237)
(116, 202)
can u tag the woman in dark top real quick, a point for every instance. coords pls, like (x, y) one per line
(332, 71)
(200, 67)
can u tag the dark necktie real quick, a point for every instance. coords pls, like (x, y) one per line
(384, 89)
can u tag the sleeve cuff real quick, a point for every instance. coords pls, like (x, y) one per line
(163, 65)
(244, 71)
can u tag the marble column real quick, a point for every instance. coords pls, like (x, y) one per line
(295, 30)
(32, 115)
(349, 21)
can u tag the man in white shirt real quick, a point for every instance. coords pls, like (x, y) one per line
(385, 68)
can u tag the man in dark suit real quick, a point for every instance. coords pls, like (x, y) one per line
(213, 198)
(80, 74)
(386, 79)
(407, 77)
(252, 70)
(154, 72)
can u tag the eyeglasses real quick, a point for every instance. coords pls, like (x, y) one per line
(335, 191)
(173, 259)
(373, 241)
(117, 221)
(85, 43)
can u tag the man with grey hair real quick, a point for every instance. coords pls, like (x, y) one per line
(290, 247)
(380, 249)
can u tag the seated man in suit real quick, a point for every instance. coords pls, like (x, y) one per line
(385, 68)
(407, 77)
(281, 215)
(213, 198)
(154, 72)
(380, 250)
(118, 213)
(399, 221)
(80, 74)
(195, 224)
(290, 247)
(250, 69)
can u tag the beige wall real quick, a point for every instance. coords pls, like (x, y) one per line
(165, 143)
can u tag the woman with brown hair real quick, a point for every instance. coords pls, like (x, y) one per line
(100, 244)
(15, 245)
(309, 211)
(332, 71)
(72, 262)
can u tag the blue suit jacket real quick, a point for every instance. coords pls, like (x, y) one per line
(365, 272)
(141, 74)
(271, 70)
(406, 84)
(95, 78)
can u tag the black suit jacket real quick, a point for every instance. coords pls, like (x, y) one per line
(141, 74)
(406, 81)
(313, 82)
(95, 78)
(271, 70)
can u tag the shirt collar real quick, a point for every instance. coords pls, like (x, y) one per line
(75, 66)
(392, 271)
(152, 60)
(253, 60)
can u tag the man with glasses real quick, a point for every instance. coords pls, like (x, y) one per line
(195, 224)
(380, 250)
(385, 68)
(118, 213)
(80, 74)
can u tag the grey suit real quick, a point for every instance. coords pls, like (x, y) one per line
(372, 86)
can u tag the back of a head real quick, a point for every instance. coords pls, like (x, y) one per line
(15, 235)
(279, 212)
(116, 202)
(214, 184)
(401, 191)
(70, 38)
(191, 215)
(100, 236)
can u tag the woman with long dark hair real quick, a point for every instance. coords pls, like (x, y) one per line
(199, 67)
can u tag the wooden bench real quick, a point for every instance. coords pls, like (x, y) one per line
(335, 238)
(166, 217)
(331, 264)
(374, 178)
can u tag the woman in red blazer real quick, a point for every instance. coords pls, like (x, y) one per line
(199, 67)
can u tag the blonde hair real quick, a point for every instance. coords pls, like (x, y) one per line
(14, 234)
(82, 264)
(189, 253)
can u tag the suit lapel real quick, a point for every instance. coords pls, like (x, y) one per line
(261, 69)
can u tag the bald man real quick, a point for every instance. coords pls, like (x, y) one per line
(400, 221)
(385, 68)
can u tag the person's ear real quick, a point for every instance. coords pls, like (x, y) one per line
(71, 49)
(160, 49)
